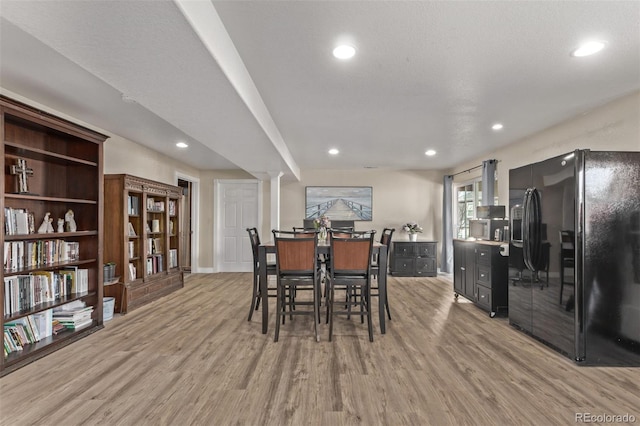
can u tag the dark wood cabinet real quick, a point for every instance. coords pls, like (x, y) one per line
(480, 274)
(142, 221)
(52, 167)
(463, 269)
(414, 258)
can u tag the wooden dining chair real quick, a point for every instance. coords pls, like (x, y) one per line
(296, 269)
(254, 238)
(385, 238)
(350, 271)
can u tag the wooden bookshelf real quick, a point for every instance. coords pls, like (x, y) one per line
(64, 169)
(142, 222)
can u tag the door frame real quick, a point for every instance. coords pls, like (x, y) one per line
(195, 218)
(217, 213)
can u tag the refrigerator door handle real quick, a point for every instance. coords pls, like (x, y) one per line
(526, 228)
(535, 237)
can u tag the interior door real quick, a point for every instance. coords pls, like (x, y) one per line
(238, 209)
(186, 225)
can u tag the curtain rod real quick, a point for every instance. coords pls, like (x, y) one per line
(472, 168)
(466, 171)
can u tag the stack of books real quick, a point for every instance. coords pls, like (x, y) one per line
(73, 315)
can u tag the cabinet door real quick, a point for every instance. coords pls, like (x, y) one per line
(483, 275)
(484, 297)
(470, 266)
(406, 249)
(403, 265)
(483, 254)
(426, 266)
(459, 265)
(426, 249)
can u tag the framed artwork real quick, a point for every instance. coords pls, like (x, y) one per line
(339, 202)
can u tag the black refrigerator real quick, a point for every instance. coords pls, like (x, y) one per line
(574, 255)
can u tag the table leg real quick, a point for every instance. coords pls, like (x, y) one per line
(382, 286)
(264, 295)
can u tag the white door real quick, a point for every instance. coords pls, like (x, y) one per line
(238, 206)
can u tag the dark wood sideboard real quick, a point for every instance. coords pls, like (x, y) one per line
(414, 258)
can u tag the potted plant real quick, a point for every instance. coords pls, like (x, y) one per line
(412, 228)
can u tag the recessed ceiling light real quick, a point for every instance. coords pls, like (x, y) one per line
(497, 126)
(588, 48)
(430, 153)
(334, 151)
(344, 51)
(181, 145)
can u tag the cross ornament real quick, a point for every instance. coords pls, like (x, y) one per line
(21, 170)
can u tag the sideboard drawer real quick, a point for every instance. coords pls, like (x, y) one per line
(404, 265)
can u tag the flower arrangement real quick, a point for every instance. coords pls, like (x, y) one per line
(322, 222)
(412, 228)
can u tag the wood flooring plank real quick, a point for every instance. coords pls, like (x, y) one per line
(192, 358)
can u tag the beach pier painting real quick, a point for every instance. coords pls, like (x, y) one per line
(339, 202)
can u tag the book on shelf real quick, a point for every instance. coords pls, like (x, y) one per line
(76, 279)
(173, 258)
(27, 330)
(43, 321)
(132, 251)
(27, 291)
(33, 254)
(18, 221)
(30, 290)
(154, 206)
(172, 207)
(132, 271)
(132, 231)
(132, 205)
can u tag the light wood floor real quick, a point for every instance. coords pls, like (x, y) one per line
(193, 359)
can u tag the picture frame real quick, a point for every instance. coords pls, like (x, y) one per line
(339, 202)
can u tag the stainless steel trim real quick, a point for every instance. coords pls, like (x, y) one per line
(580, 331)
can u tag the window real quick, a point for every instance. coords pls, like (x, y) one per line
(467, 196)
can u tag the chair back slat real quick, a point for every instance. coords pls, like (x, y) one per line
(296, 254)
(387, 233)
(254, 239)
(352, 254)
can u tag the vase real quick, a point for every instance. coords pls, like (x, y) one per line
(322, 234)
(413, 237)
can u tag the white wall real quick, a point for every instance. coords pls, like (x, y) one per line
(614, 126)
(398, 197)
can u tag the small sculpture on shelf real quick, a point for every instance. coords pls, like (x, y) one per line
(47, 224)
(60, 225)
(70, 221)
(21, 170)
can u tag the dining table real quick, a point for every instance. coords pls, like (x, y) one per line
(379, 250)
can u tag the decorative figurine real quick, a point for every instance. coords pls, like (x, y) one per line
(60, 225)
(21, 170)
(71, 223)
(46, 226)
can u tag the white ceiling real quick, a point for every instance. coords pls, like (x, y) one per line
(253, 84)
